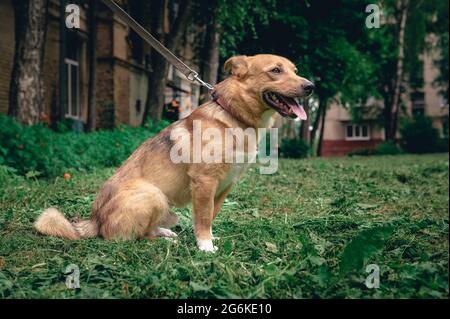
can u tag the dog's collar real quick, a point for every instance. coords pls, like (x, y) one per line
(226, 107)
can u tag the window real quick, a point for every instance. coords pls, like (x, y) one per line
(418, 103)
(73, 77)
(73, 107)
(357, 132)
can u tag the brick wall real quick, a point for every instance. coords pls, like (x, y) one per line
(51, 65)
(6, 51)
(51, 58)
(343, 147)
(113, 71)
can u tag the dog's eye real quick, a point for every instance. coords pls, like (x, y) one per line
(276, 70)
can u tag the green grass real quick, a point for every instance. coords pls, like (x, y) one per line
(307, 231)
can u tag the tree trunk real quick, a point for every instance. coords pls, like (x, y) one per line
(26, 100)
(158, 78)
(403, 7)
(304, 132)
(322, 130)
(92, 54)
(210, 56)
(155, 93)
(387, 112)
(322, 104)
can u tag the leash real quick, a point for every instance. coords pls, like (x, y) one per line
(190, 74)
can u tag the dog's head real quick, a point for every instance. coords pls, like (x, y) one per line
(273, 80)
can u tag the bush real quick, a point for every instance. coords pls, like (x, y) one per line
(37, 150)
(388, 148)
(361, 152)
(442, 145)
(294, 148)
(385, 148)
(7, 174)
(25, 149)
(153, 127)
(419, 135)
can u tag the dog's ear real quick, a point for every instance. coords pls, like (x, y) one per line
(237, 65)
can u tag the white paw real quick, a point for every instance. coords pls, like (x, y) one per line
(164, 232)
(206, 245)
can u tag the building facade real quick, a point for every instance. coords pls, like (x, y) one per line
(341, 135)
(121, 76)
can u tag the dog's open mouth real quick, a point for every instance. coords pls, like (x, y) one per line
(286, 106)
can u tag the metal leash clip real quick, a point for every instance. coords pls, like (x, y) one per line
(193, 76)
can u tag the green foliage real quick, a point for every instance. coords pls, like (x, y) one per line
(155, 127)
(362, 152)
(388, 148)
(385, 148)
(25, 148)
(440, 27)
(442, 64)
(425, 17)
(381, 47)
(7, 174)
(419, 135)
(335, 49)
(324, 44)
(282, 236)
(294, 148)
(365, 244)
(240, 20)
(47, 153)
(443, 145)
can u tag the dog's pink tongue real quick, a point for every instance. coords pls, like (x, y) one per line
(299, 111)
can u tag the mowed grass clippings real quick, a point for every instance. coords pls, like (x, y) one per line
(308, 231)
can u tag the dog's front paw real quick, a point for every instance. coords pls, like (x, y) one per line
(206, 245)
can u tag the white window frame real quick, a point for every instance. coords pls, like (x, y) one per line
(69, 112)
(360, 137)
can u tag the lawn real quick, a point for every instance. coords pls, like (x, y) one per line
(308, 231)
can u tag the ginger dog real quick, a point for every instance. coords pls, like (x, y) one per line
(135, 202)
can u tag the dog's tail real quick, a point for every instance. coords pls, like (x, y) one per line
(52, 222)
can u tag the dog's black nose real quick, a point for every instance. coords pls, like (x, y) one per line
(308, 86)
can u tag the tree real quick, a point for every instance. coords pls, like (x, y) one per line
(26, 98)
(209, 67)
(222, 24)
(304, 129)
(92, 54)
(388, 47)
(398, 47)
(240, 24)
(169, 35)
(402, 8)
(440, 28)
(325, 46)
